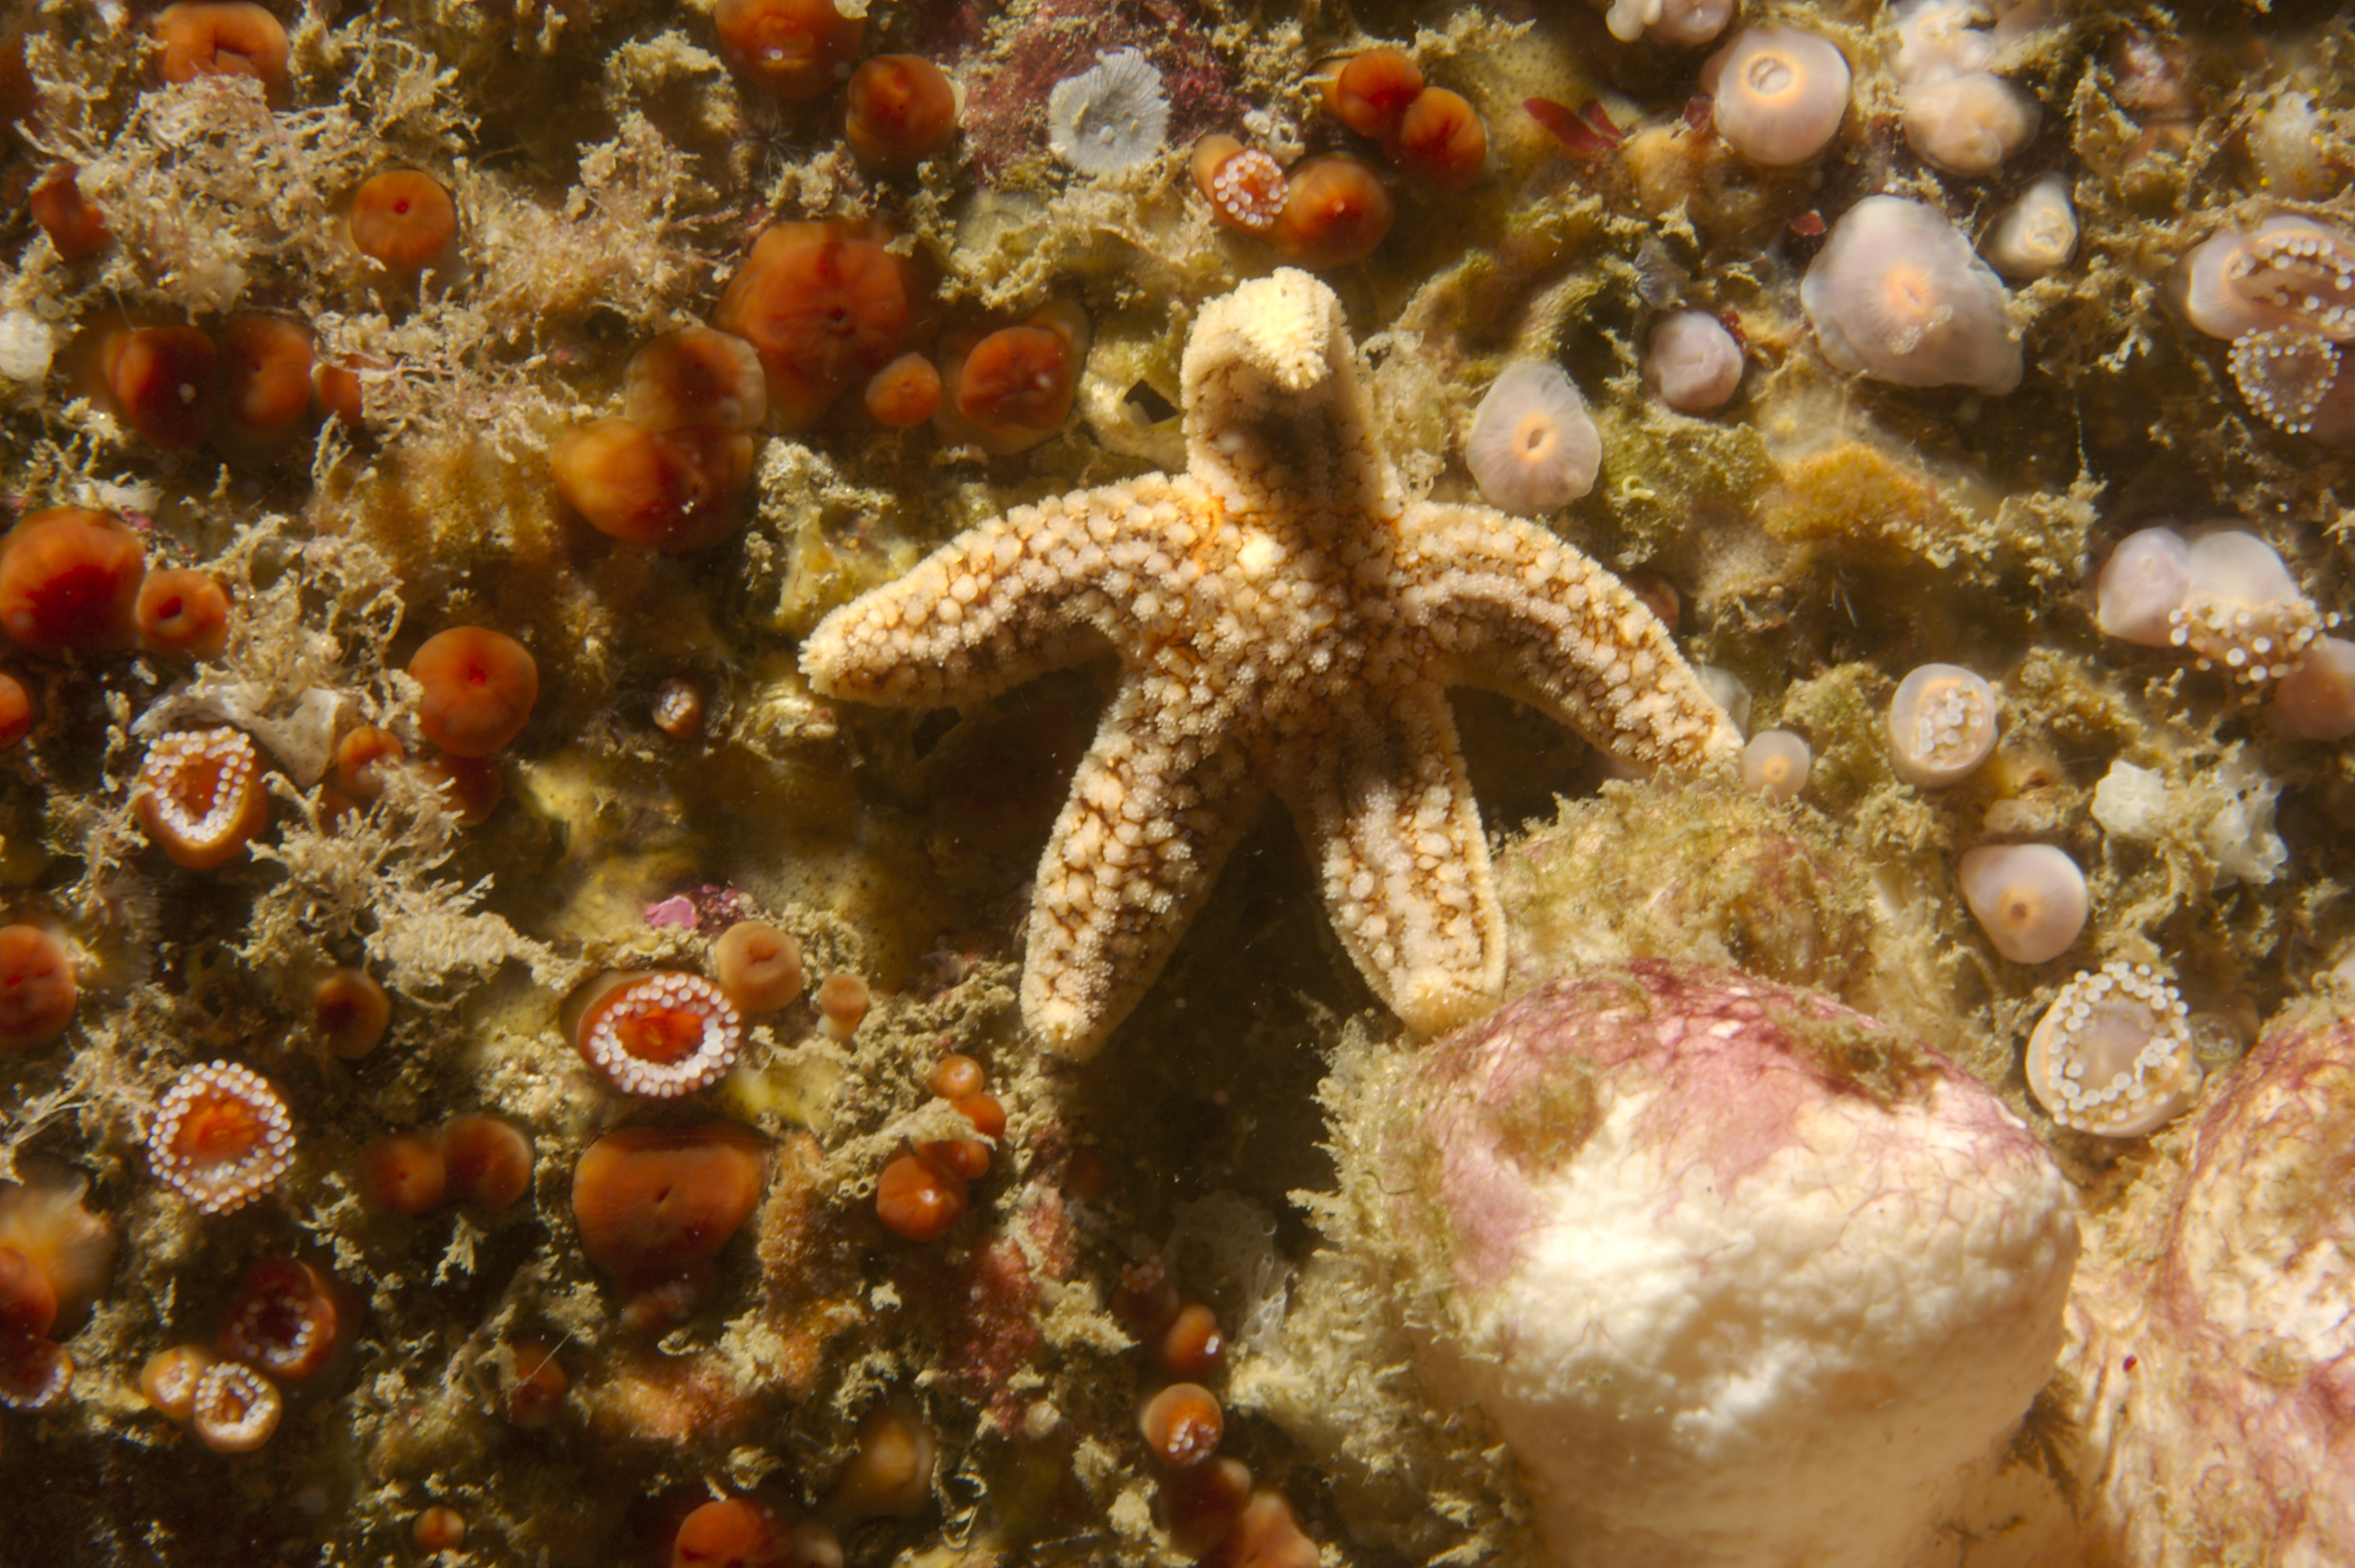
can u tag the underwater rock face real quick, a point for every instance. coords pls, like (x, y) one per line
(2211, 1335)
(646, 337)
(1740, 1276)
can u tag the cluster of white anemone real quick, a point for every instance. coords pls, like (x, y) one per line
(2228, 600)
(2283, 294)
(1957, 114)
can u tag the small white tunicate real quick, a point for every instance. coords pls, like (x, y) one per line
(1692, 361)
(1968, 124)
(1942, 725)
(2029, 899)
(2142, 586)
(2130, 801)
(1778, 94)
(2036, 235)
(26, 345)
(1778, 761)
(1110, 117)
(2292, 145)
(2113, 1055)
(1533, 447)
(1898, 295)
(2239, 836)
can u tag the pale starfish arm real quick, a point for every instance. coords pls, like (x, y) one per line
(1516, 611)
(1389, 817)
(1038, 589)
(1153, 814)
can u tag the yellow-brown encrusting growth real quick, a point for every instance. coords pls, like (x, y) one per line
(1286, 622)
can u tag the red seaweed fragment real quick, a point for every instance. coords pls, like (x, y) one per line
(1588, 133)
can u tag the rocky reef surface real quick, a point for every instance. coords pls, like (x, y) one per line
(569, 1096)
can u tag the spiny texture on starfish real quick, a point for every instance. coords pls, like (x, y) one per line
(1285, 621)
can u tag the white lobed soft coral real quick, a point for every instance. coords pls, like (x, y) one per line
(1739, 1276)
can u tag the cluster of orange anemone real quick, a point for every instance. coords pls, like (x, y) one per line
(1210, 1508)
(473, 1158)
(898, 110)
(253, 388)
(74, 580)
(818, 310)
(248, 390)
(290, 1322)
(1333, 208)
(923, 1192)
(201, 794)
(476, 690)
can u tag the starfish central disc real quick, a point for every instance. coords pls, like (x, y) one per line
(1286, 622)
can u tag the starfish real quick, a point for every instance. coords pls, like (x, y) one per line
(1286, 622)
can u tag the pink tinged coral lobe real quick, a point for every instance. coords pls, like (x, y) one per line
(2218, 1354)
(2029, 899)
(1693, 362)
(1533, 447)
(1648, 1185)
(1898, 295)
(1779, 93)
(1942, 725)
(2142, 586)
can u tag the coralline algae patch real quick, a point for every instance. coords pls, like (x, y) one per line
(493, 1064)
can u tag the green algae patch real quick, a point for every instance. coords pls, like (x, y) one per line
(1703, 873)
